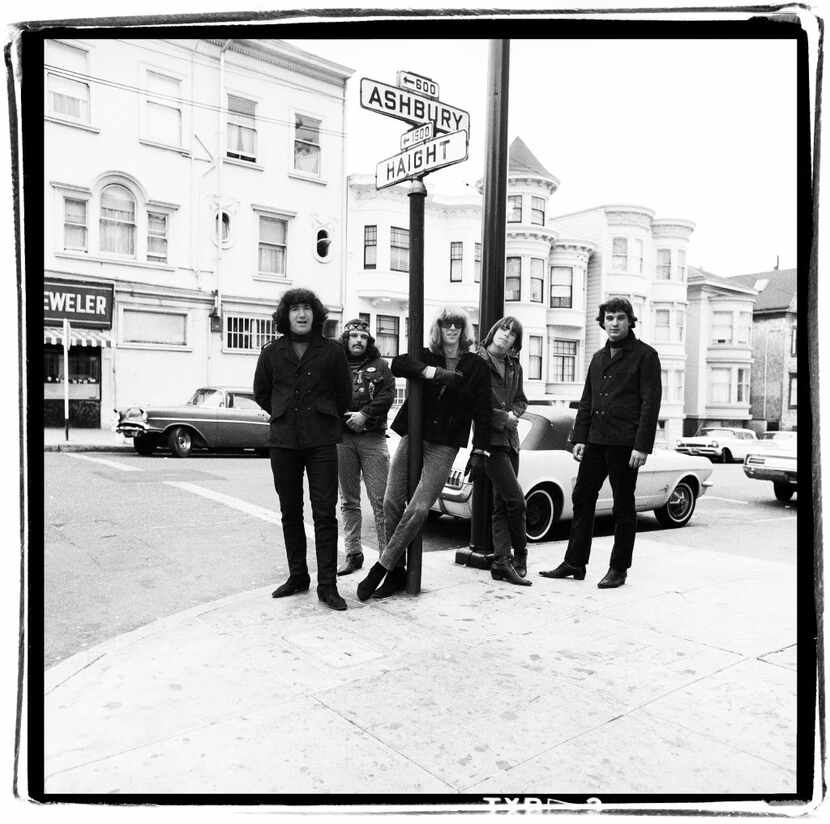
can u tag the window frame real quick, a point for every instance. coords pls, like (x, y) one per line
(511, 208)
(137, 210)
(77, 198)
(293, 171)
(535, 210)
(256, 337)
(155, 310)
(663, 271)
(710, 386)
(570, 299)
(535, 358)
(152, 257)
(367, 245)
(393, 245)
(731, 340)
(539, 278)
(794, 340)
(477, 262)
(379, 335)
(456, 261)
(619, 260)
(238, 119)
(267, 243)
(563, 359)
(261, 210)
(67, 74)
(149, 97)
(792, 396)
(509, 276)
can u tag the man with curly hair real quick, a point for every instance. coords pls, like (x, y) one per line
(303, 381)
(363, 450)
(613, 435)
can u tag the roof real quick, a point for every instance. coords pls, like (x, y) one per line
(522, 160)
(695, 272)
(778, 294)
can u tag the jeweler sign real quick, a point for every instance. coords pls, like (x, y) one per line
(426, 157)
(80, 303)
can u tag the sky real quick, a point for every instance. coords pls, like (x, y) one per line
(697, 129)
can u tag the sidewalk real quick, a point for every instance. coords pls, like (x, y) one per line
(681, 681)
(84, 440)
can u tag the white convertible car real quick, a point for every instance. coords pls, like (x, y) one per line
(670, 483)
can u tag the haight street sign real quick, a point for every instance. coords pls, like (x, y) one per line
(411, 108)
(426, 157)
(417, 135)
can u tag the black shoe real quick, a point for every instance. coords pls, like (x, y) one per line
(331, 597)
(370, 583)
(520, 562)
(565, 570)
(502, 570)
(294, 584)
(395, 581)
(353, 563)
(613, 578)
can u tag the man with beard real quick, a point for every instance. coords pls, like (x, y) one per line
(363, 449)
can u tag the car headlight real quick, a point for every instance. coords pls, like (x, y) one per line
(713, 443)
(678, 442)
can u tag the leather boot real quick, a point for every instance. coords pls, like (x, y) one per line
(502, 570)
(370, 583)
(331, 597)
(613, 578)
(520, 562)
(294, 584)
(565, 570)
(395, 581)
(353, 563)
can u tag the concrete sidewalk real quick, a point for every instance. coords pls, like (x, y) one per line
(681, 681)
(84, 440)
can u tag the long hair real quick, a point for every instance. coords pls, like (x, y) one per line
(617, 305)
(371, 352)
(507, 322)
(291, 298)
(465, 339)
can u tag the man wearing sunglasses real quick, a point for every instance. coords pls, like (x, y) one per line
(456, 393)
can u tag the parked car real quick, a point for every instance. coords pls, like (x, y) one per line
(775, 459)
(721, 443)
(669, 483)
(215, 417)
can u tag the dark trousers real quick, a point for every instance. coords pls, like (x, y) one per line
(508, 501)
(320, 465)
(598, 463)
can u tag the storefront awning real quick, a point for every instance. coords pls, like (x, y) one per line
(77, 336)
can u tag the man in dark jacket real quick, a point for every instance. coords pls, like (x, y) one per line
(363, 448)
(303, 381)
(456, 392)
(613, 435)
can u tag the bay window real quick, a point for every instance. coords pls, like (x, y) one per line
(537, 280)
(513, 279)
(561, 287)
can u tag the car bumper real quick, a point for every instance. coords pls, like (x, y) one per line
(455, 502)
(771, 473)
(706, 451)
(133, 429)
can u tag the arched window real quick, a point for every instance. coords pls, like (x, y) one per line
(117, 221)
(323, 244)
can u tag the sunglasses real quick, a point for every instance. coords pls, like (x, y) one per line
(445, 323)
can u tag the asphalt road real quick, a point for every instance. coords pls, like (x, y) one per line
(131, 539)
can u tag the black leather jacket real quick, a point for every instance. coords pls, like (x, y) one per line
(373, 391)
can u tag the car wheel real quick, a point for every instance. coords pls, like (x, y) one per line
(541, 513)
(181, 441)
(726, 456)
(783, 492)
(144, 444)
(679, 507)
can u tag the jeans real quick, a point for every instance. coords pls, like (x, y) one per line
(320, 465)
(404, 522)
(599, 462)
(508, 501)
(369, 454)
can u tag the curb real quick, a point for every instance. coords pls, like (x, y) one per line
(86, 447)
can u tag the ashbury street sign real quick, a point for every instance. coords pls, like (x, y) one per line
(418, 160)
(411, 108)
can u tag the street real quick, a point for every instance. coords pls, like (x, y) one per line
(130, 539)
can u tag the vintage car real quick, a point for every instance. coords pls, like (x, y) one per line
(215, 417)
(669, 483)
(775, 459)
(720, 443)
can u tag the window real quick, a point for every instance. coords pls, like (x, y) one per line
(513, 279)
(743, 386)
(537, 211)
(307, 144)
(117, 221)
(619, 254)
(67, 95)
(331, 328)
(163, 110)
(679, 328)
(561, 287)
(157, 237)
(514, 209)
(226, 228)
(638, 256)
(535, 354)
(370, 247)
(564, 361)
(244, 403)
(74, 225)
(364, 316)
(664, 264)
(721, 327)
(456, 261)
(662, 324)
(793, 346)
(681, 264)
(475, 333)
(399, 250)
(247, 333)
(272, 246)
(744, 331)
(159, 328)
(793, 394)
(537, 280)
(672, 380)
(477, 263)
(386, 339)
(241, 133)
(323, 244)
(719, 382)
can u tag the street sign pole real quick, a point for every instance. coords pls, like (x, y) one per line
(66, 379)
(415, 391)
(491, 304)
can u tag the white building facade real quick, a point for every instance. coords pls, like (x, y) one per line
(188, 185)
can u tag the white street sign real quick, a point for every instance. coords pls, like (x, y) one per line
(411, 108)
(417, 135)
(417, 83)
(427, 157)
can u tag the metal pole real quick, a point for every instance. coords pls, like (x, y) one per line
(417, 196)
(491, 305)
(66, 379)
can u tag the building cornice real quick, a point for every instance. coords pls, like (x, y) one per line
(551, 184)
(672, 227)
(586, 247)
(531, 233)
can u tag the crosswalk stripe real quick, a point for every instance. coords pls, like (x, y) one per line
(105, 461)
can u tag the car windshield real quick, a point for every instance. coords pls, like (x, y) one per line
(207, 397)
(720, 433)
(779, 436)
